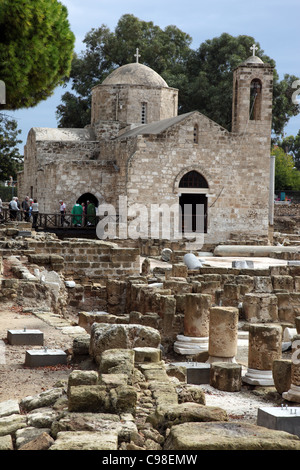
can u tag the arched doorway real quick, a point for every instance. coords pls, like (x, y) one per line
(88, 197)
(193, 202)
(90, 208)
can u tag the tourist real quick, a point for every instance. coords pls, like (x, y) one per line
(63, 213)
(83, 213)
(77, 215)
(19, 214)
(26, 207)
(35, 213)
(91, 213)
(30, 207)
(13, 208)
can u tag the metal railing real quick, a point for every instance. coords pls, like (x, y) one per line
(44, 220)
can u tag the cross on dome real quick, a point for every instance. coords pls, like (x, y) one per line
(254, 48)
(137, 55)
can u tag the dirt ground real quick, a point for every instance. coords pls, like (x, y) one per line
(16, 380)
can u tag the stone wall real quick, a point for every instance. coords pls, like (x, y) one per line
(124, 103)
(89, 259)
(235, 203)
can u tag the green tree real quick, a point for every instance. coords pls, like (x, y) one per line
(210, 69)
(36, 47)
(166, 51)
(287, 177)
(10, 158)
(291, 145)
(203, 76)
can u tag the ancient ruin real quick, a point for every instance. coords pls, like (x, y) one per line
(119, 312)
(153, 343)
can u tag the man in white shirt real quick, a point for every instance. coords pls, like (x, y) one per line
(63, 213)
(13, 207)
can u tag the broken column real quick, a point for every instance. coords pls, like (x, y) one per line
(293, 394)
(223, 334)
(260, 307)
(196, 325)
(264, 347)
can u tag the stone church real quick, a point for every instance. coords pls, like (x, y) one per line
(138, 147)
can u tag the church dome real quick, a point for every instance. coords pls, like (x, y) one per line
(135, 74)
(252, 60)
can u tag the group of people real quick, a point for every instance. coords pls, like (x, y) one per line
(29, 208)
(82, 214)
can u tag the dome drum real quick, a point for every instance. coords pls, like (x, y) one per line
(133, 94)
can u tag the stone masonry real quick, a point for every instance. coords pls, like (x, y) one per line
(138, 148)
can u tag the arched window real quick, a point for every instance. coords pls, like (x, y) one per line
(255, 100)
(193, 179)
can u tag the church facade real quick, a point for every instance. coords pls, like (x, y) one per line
(139, 152)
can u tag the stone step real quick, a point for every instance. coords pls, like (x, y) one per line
(86, 440)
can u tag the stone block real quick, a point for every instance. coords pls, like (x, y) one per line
(117, 361)
(283, 283)
(42, 442)
(81, 345)
(23, 337)
(179, 270)
(147, 354)
(9, 407)
(226, 376)
(6, 442)
(45, 357)
(191, 436)
(169, 416)
(88, 398)
(260, 307)
(105, 336)
(86, 440)
(197, 373)
(80, 377)
(280, 418)
(282, 369)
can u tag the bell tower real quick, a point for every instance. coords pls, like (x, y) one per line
(252, 97)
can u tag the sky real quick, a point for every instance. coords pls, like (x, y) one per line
(274, 24)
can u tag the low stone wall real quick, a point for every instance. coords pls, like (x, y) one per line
(88, 259)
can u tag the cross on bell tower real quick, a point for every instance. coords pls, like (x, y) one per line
(253, 48)
(137, 55)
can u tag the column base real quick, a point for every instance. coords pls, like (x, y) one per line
(258, 377)
(190, 345)
(293, 394)
(229, 360)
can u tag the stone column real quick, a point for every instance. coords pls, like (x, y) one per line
(196, 325)
(260, 307)
(293, 394)
(223, 334)
(265, 345)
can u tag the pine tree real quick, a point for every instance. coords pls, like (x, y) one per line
(36, 48)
